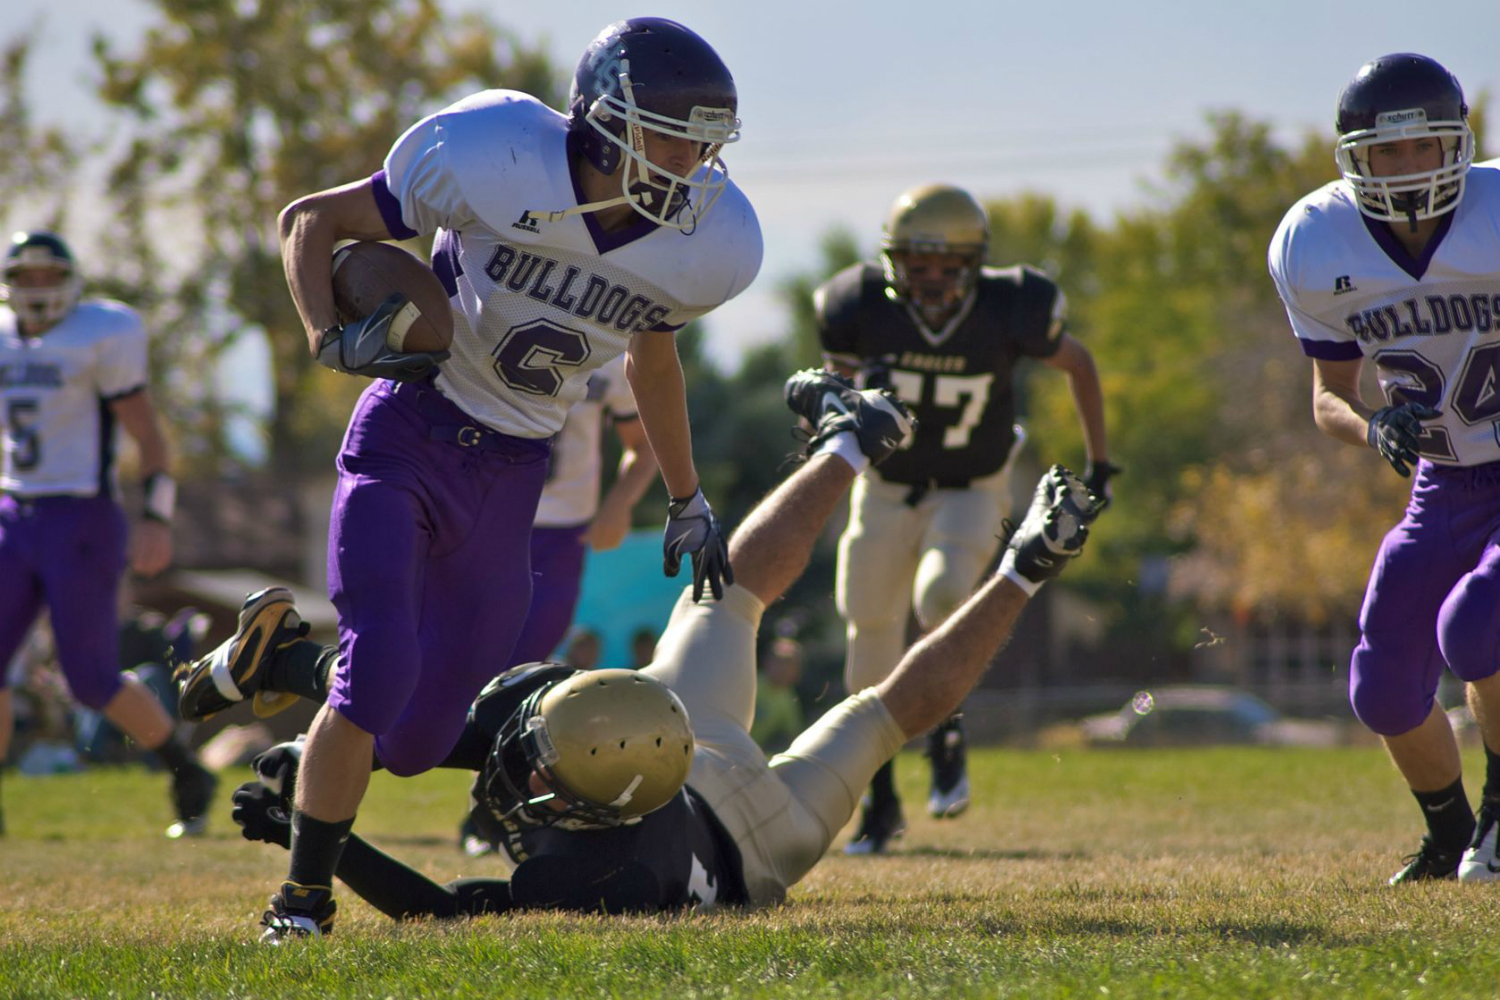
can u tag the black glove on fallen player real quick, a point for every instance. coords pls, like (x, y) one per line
(359, 348)
(1054, 529)
(1396, 432)
(261, 814)
(1096, 477)
(693, 529)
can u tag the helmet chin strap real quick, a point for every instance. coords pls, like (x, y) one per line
(593, 206)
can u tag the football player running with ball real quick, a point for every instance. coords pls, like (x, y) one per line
(70, 372)
(619, 790)
(563, 241)
(1399, 263)
(946, 334)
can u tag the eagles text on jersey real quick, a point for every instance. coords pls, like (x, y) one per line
(957, 380)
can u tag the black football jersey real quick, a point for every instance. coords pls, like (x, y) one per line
(691, 858)
(957, 380)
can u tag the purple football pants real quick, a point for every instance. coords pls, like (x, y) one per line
(557, 557)
(67, 553)
(1433, 598)
(427, 566)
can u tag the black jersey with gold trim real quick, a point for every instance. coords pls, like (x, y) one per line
(691, 857)
(958, 380)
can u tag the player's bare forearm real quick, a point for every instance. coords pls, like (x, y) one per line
(1338, 409)
(1077, 362)
(310, 228)
(656, 379)
(937, 673)
(136, 414)
(636, 471)
(771, 547)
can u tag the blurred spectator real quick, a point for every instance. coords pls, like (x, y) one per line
(778, 710)
(583, 649)
(642, 647)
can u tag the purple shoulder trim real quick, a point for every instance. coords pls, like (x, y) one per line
(390, 207)
(1331, 350)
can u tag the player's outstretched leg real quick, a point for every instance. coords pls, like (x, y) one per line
(235, 671)
(948, 752)
(832, 405)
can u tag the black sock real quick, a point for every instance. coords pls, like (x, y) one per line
(883, 785)
(1450, 821)
(175, 755)
(316, 847)
(1491, 791)
(302, 669)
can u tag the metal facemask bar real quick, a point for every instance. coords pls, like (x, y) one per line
(523, 746)
(659, 195)
(1412, 197)
(42, 306)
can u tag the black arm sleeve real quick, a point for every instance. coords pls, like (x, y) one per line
(402, 892)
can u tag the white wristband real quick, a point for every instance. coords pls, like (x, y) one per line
(846, 446)
(161, 497)
(1009, 571)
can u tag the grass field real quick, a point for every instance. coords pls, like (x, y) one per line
(1222, 873)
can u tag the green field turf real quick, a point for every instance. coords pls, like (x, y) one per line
(1220, 873)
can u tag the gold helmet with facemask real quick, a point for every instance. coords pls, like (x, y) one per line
(605, 746)
(936, 239)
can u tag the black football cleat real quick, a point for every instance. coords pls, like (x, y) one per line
(1430, 864)
(880, 823)
(947, 752)
(268, 622)
(879, 421)
(298, 911)
(192, 790)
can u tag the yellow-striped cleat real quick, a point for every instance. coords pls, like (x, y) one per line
(236, 670)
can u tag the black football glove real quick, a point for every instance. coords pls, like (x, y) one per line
(1054, 529)
(693, 529)
(1096, 477)
(261, 814)
(359, 348)
(1396, 432)
(277, 769)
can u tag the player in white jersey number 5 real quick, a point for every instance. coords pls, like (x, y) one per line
(70, 369)
(1399, 263)
(563, 240)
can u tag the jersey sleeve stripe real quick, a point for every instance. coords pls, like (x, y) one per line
(1330, 350)
(390, 207)
(125, 394)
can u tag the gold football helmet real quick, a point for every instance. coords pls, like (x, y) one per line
(936, 238)
(606, 748)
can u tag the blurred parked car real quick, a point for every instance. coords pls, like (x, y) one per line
(1201, 715)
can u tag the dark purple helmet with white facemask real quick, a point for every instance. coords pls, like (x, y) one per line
(41, 306)
(1404, 96)
(648, 74)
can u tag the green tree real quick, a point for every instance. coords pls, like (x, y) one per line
(37, 164)
(229, 110)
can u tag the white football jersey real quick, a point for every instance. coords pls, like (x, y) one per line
(59, 434)
(538, 305)
(571, 495)
(1432, 326)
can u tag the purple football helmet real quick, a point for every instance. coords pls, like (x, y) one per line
(1404, 96)
(648, 73)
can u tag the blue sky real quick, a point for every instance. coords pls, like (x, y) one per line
(843, 110)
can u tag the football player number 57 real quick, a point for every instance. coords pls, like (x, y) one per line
(26, 446)
(969, 392)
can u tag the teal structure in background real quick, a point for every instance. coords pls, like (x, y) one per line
(624, 591)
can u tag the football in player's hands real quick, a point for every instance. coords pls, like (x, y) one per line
(367, 273)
